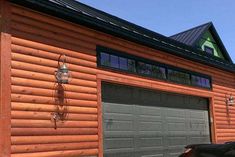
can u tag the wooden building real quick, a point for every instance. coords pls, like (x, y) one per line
(133, 92)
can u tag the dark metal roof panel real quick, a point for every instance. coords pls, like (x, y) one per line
(190, 36)
(100, 15)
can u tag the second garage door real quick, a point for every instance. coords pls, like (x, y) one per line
(144, 123)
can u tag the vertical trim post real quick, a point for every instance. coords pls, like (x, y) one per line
(100, 115)
(5, 79)
(213, 120)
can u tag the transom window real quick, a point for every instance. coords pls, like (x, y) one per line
(114, 61)
(108, 58)
(178, 77)
(151, 70)
(200, 81)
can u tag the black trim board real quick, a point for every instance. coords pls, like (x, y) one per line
(163, 43)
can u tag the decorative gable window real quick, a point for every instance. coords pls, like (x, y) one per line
(208, 50)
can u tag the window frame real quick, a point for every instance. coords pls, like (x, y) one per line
(136, 59)
(209, 48)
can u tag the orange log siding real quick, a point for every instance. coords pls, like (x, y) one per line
(37, 40)
(5, 79)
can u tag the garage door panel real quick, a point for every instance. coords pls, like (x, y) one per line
(119, 146)
(196, 114)
(117, 108)
(147, 118)
(172, 153)
(198, 127)
(112, 125)
(175, 145)
(155, 142)
(150, 126)
(119, 143)
(172, 113)
(148, 134)
(148, 110)
(199, 139)
(118, 117)
(176, 141)
(150, 153)
(151, 123)
(119, 134)
(176, 126)
(122, 153)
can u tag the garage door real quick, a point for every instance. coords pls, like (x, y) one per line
(144, 123)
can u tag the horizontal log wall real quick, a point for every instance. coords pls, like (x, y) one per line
(37, 42)
(35, 52)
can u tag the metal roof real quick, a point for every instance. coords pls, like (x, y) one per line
(189, 37)
(192, 36)
(79, 13)
(102, 16)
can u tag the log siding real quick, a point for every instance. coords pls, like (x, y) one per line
(36, 42)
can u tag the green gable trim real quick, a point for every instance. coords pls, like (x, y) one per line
(208, 40)
(204, 36)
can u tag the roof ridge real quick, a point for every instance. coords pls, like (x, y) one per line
(208, 23)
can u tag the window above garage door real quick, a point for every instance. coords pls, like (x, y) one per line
(116, 60)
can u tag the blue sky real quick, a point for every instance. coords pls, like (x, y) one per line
(169, 17)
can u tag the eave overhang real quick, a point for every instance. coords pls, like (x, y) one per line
(140, 35)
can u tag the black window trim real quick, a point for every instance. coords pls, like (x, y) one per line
(208, 47)
(100, 49)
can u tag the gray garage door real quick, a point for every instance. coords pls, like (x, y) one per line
(145, 123)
